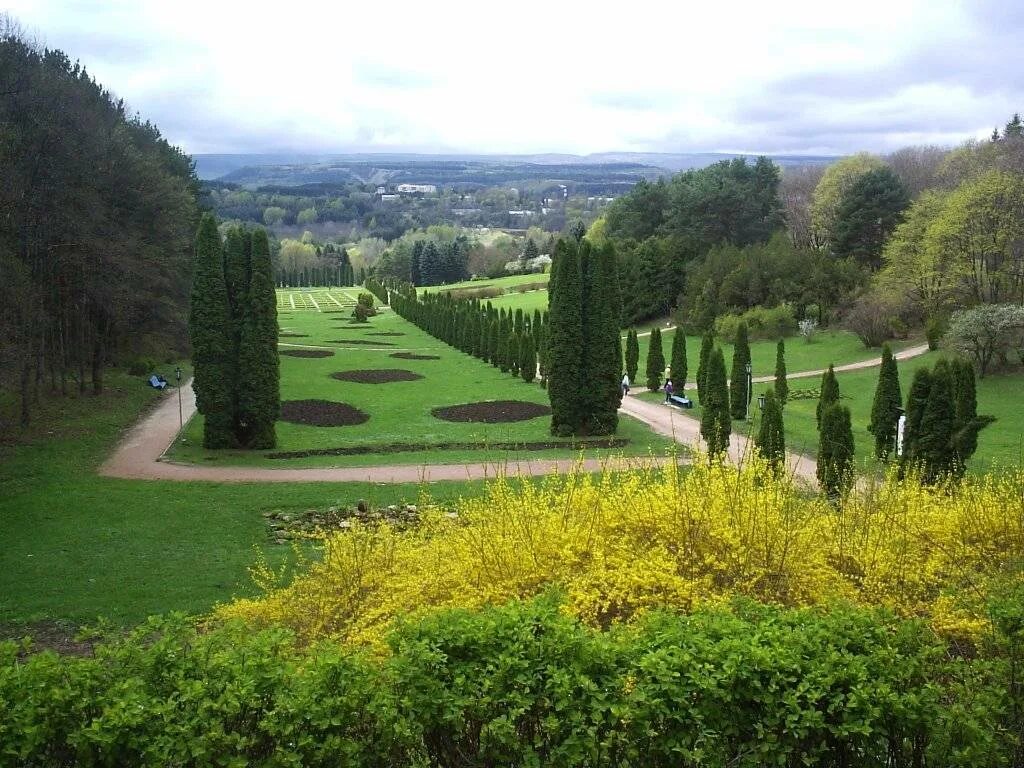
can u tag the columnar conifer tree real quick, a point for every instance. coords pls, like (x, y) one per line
(678, 360)
(835, 451)
(936, 454)
(565, 339)
(781, 384)
(968, 422)
(514, 352)
(917, 399)
(655, 361)
(715, 424)
(739, 394)
(632, 355)
(602, 346)
(829, 393)
(210, 331)
(885, 410)
(527, 359)
(259, 394)
(707, 345)
(771, 439)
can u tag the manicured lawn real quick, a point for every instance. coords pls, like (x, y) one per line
(837, 347)
(498, 282)
(78, 546)
(527, 302)
(399, 412)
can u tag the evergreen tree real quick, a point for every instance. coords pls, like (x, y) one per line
(829, 393)
(715, 424)
(514, 349)
(259, 389)
(565, 339)
(739, 387)
(527, 359)
(535, 329)
(781, 384)
(542, 356)
(655, 361)
(494, 343)
(835, 451)
(935, 452)
(519, 326)
(503, 350)
(968, 422)
(771, 440)
(917, 399)
(415, 273)
(885, 410)
(632, 355)
(678, 360)
(602, 346)
(237, 250)
(210, 331)
(707, 345)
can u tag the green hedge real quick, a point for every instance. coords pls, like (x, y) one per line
(520, 685)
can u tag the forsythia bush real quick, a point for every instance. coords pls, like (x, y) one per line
(524, 685)
(622, 544)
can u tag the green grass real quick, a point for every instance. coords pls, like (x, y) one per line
(400, 412)
(527, 302)
(838, 347)
(78, 546)
(498, 282)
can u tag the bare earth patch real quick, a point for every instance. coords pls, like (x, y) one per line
(413, 356)
(376, 375)
(367, 342)
(289, 335)
(307, 352)
(386, 333)
(492, 411)
(322, 413)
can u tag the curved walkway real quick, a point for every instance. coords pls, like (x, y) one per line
(140, 455)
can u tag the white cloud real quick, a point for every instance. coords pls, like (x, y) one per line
(543, 76)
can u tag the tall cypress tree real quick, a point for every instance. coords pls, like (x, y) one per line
(565, 339)
(739, 394)
(835, 451)
(781, 384)
(829, 393)
(968, 422)
(602, 355)
(771, 439)
(935, 449)
(632, 355)
(210, 331)
(237, 250)
(917, 399)
(259, 388)
(678, 361)
(494, 343)
(527, 358)
(885, 409)
(535, 329)
(655, 361)
(715, 424)
(707, 345)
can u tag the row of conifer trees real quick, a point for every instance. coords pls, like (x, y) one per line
(233, 330)
(507, 340)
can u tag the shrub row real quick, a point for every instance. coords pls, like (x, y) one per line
(521, 685)
(762, 323)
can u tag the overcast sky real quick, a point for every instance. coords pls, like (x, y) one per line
(551, 76)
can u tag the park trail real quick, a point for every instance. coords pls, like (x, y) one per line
(140, 454)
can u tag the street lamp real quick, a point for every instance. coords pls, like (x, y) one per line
(760, 401)
(749, 392)
(177, 376)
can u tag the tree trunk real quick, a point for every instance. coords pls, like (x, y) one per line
(26, 370)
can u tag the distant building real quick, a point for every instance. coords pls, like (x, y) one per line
(412, 189)
(385, 198)
(464, 211)
(520, 213)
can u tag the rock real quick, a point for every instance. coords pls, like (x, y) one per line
(361, 505)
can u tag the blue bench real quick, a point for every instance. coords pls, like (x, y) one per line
(682, 402)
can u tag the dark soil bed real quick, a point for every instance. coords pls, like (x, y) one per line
(413, 356)
(376, 375)
(322, 413)
(289, 335)
(367, 342)
(386, 333)
(307, 352)
(492, 411)
(364, 450)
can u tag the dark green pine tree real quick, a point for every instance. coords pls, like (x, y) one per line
(503, 349)
(707, 345)
(715, 424)
(835, 451)
(632, 355)
(602, 346)
(237, 254)
(655, 361)
(527, 359)
(885, 410)
(677, 361)
(535, 328)
(519, 325)
(494, 343)
(829, 393)
(542, 356)
(514, 341)
(565, 339)
(781, 384)
(259, 380)
(739, 388)
(210, 331)
(917, 399)
(936, 452)
(771, 438)
(968, 422)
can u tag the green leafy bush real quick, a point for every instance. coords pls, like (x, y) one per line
(141, 366)
(762, 323)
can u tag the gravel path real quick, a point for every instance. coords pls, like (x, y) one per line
(139, 456)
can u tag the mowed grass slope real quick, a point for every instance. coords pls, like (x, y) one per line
(400, 412)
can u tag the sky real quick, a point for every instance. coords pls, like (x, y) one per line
(553, 76)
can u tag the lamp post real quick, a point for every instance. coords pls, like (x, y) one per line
(760, 402)
(749, 393)
(177, 376)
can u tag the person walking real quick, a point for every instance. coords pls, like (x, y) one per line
(668, 390)
(625, 384)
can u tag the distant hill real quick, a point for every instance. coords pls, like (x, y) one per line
(295, 169)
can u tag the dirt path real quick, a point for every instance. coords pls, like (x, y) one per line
(139, 456)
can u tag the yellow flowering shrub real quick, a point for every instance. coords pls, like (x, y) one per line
(620, 544)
